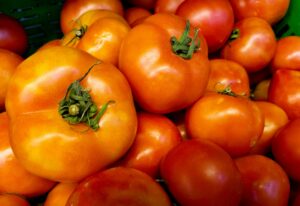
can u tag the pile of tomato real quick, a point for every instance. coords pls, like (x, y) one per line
(152, 103)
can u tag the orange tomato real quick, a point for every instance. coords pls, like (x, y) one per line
(60, 194)
(167, 6)
(135, 14)
(12, 200)
(54, 42)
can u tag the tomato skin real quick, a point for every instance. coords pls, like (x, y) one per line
(287, 54)
(272, 11)
(37, 128)
(198, 172)
(284, 91)
(119, 186)
(224, 73)
(135, 14)
(60, 194)
(285, 148)
(215, 113)
(54, 42)
(12, 200)
(260, 92)
(146, 59)
(9, 61)
(214, 18)
(167, 6)
(156, 136)
(13, 36)
(264, 181)
(255, 45)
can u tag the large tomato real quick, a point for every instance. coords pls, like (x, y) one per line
(60, 194)
(119, 186)
(252, 44)
(56, 108)
(235, 123)
(264, 181)
(214, 18)
(156, 136)
(13, 36)
(13, 200)
(199, 172)
(100, 33)
(285, 147)
(72, 9)
(165, 72)
(9, 61)
(270, 10)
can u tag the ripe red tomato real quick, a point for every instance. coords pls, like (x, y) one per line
(284, 90)
(169, 6)
(13, 200)
(214, 18)
(198, 172)
(285, 148)
(252, 44)
(162, 77)
(60, 194)
(64, 129)
(224, 74)
(287, 54)
(119, 186)
(13, 36)
(234, 123)
(270, 10)
(73, 9)
(156, 136)
(264, 181)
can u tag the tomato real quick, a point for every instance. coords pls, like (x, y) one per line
(161, 80)
(285, 148)
(214, 18)
(135, 14)
(119, 186)
(156, 135)
(63, 127)
(100, 33)
(198, 172)
(270, 10)
(146, 4)
(274, 119)
(13, 36)
(252, 44)
(60, 194)
(73, 9)
(9, 61)
(284, 91)
(12, 200)
(261, 90)
(167, 6)
(264, 181)
(225, 73)
(54, 42)
(178, 119)
(287, 54)
(234, 123)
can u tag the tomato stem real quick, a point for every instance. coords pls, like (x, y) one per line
(234, 34)
(227, 91)
(185, 46)
(78, 107)
(78, 34)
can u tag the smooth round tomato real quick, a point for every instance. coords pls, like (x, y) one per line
(167, 6)
(274, 119)
(234, 123)
(9, 61)
(13, 36)
(13, 200)
(60, 194)
(224, 74)
(198, 172)
(285, 148)
(163, 77)
(287, 55)
(252, 44)
(54, 42)
(119, 186)
(284, 90)
(133, 15)
(264, 181)
(73, 9)
(70, 115)
(156, 136)
(214, 18)
(270, 10)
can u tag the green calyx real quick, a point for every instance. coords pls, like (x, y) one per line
(78, 107)
(186, 46)
(234, 34)
(227, 91)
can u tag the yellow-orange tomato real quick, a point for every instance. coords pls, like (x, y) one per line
(60, 194)
(42, 108)
(9, 61)
(12, 200)
(13, 176)
(100, 33)
(72, 9)
(54, 42)
(134, 14)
